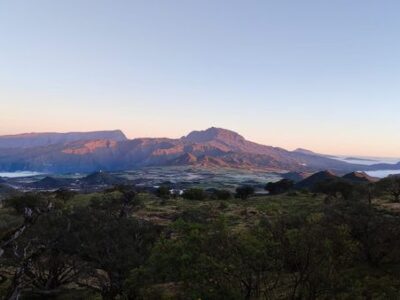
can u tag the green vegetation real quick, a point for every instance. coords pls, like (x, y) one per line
(339, 241)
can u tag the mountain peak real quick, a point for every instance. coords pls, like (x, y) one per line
(212, 134)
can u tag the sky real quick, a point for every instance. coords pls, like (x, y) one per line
(322, 75)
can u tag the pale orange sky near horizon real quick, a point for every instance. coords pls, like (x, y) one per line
(320, 75)
(323, 139)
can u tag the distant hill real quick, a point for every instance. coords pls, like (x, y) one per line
(30, 140)
(360, 159)
(295, 176)
(383, 166)
(360, 177)
(315, 179)
(111, 151)
(102, 178)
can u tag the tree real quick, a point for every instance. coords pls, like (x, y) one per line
(314, 253)
(375, 231)
(64, 194)
(213, 262)
(244, 192)
(27, 244)
(391, 185)
(95, 246)
(113, 245)
(163, 192)
(55, 262)
(279, 187)
(222, 194)
(119, 201)
(338, 188)
(194, 194)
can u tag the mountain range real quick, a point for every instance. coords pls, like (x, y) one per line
(112, 150)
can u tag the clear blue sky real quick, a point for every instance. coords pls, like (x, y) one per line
(321, 74)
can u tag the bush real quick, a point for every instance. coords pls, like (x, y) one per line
(194, 194)
(222, 195)
(243, 192)
(282, 186)
(163, 192)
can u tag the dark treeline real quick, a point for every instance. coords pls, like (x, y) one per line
(344, 247)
